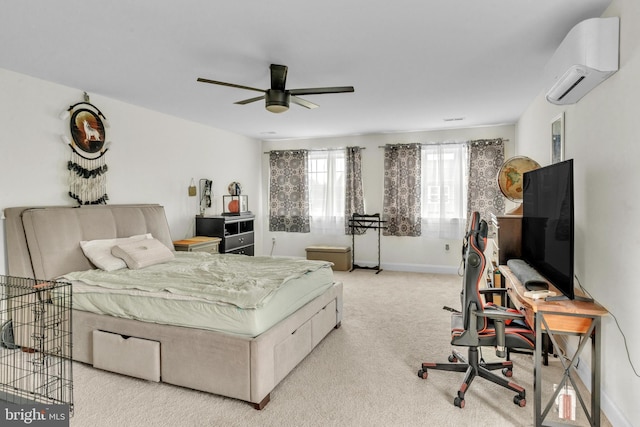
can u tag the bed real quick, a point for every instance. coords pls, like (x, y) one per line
(242, 358)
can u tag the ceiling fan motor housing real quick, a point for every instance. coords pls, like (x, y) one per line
(277, 101)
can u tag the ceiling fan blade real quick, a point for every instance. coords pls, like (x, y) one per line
(278, 76)
(215, 82)
(250, 100)
(303, 102)
(321, 90)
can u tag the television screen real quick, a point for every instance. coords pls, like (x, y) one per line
(547, 224)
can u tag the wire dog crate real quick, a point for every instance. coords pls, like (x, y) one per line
(35, 342)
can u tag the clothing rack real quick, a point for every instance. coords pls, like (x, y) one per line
(364, 222)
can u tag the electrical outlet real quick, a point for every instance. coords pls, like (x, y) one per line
(446, 247)
(273, 240)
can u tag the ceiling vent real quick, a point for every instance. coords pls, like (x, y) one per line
(587, 56)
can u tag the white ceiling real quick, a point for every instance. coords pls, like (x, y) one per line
(413, 63)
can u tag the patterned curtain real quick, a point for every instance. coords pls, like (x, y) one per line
(354, 196)
(288, 191)
(486, 157)
(402, 190)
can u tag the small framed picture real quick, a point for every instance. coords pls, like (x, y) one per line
(557, 139)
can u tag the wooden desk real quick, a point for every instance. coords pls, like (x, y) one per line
(564, 317)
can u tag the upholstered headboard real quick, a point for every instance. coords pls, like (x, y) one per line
(44, 242)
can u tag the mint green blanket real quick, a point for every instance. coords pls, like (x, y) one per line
(241, 280)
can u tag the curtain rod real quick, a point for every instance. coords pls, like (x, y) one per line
(316, 149)
(477, 141)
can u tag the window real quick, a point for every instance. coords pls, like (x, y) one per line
(444, 190)
(327, 191)
(433, 194)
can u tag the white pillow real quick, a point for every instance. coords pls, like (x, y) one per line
(143, 253)
(99, 251)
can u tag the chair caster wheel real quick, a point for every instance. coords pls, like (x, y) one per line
(453, 359)
(520, 401)
(458, 402)
(422, 373)
(507, 372)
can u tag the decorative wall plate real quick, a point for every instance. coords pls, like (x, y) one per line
(87, 131)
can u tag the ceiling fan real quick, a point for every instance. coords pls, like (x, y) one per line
(277, 98)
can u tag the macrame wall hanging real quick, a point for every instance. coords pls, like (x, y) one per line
(87, 166)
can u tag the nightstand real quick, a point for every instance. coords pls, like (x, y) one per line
(198, 244)
(236, 232)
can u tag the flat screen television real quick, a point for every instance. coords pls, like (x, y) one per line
(548, 224)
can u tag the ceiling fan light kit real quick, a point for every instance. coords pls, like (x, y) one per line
(277, 101)
(277, 98)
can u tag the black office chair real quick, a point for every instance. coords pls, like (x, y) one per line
(482, 324)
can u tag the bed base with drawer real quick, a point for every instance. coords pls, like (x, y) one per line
(43, 243)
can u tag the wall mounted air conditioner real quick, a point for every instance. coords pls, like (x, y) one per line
(587, 56)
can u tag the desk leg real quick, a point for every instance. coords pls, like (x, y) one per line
(595, 372)
(537, 372)
(594, 334)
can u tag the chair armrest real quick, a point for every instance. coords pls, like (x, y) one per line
(493, 291)
(500, 315)
(470, 336)
(488, 293)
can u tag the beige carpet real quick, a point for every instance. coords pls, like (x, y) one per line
(363, 374)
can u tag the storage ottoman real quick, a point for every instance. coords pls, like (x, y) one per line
(340, 256)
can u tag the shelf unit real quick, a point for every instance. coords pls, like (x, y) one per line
(236, 232)
(504, 243)
(508, 236)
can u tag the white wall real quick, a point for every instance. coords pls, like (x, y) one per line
(397, 253)
(602, 136)
(151, 160)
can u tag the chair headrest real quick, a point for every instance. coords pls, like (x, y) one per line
(474, 222)
(481, 235)
(478, 231)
